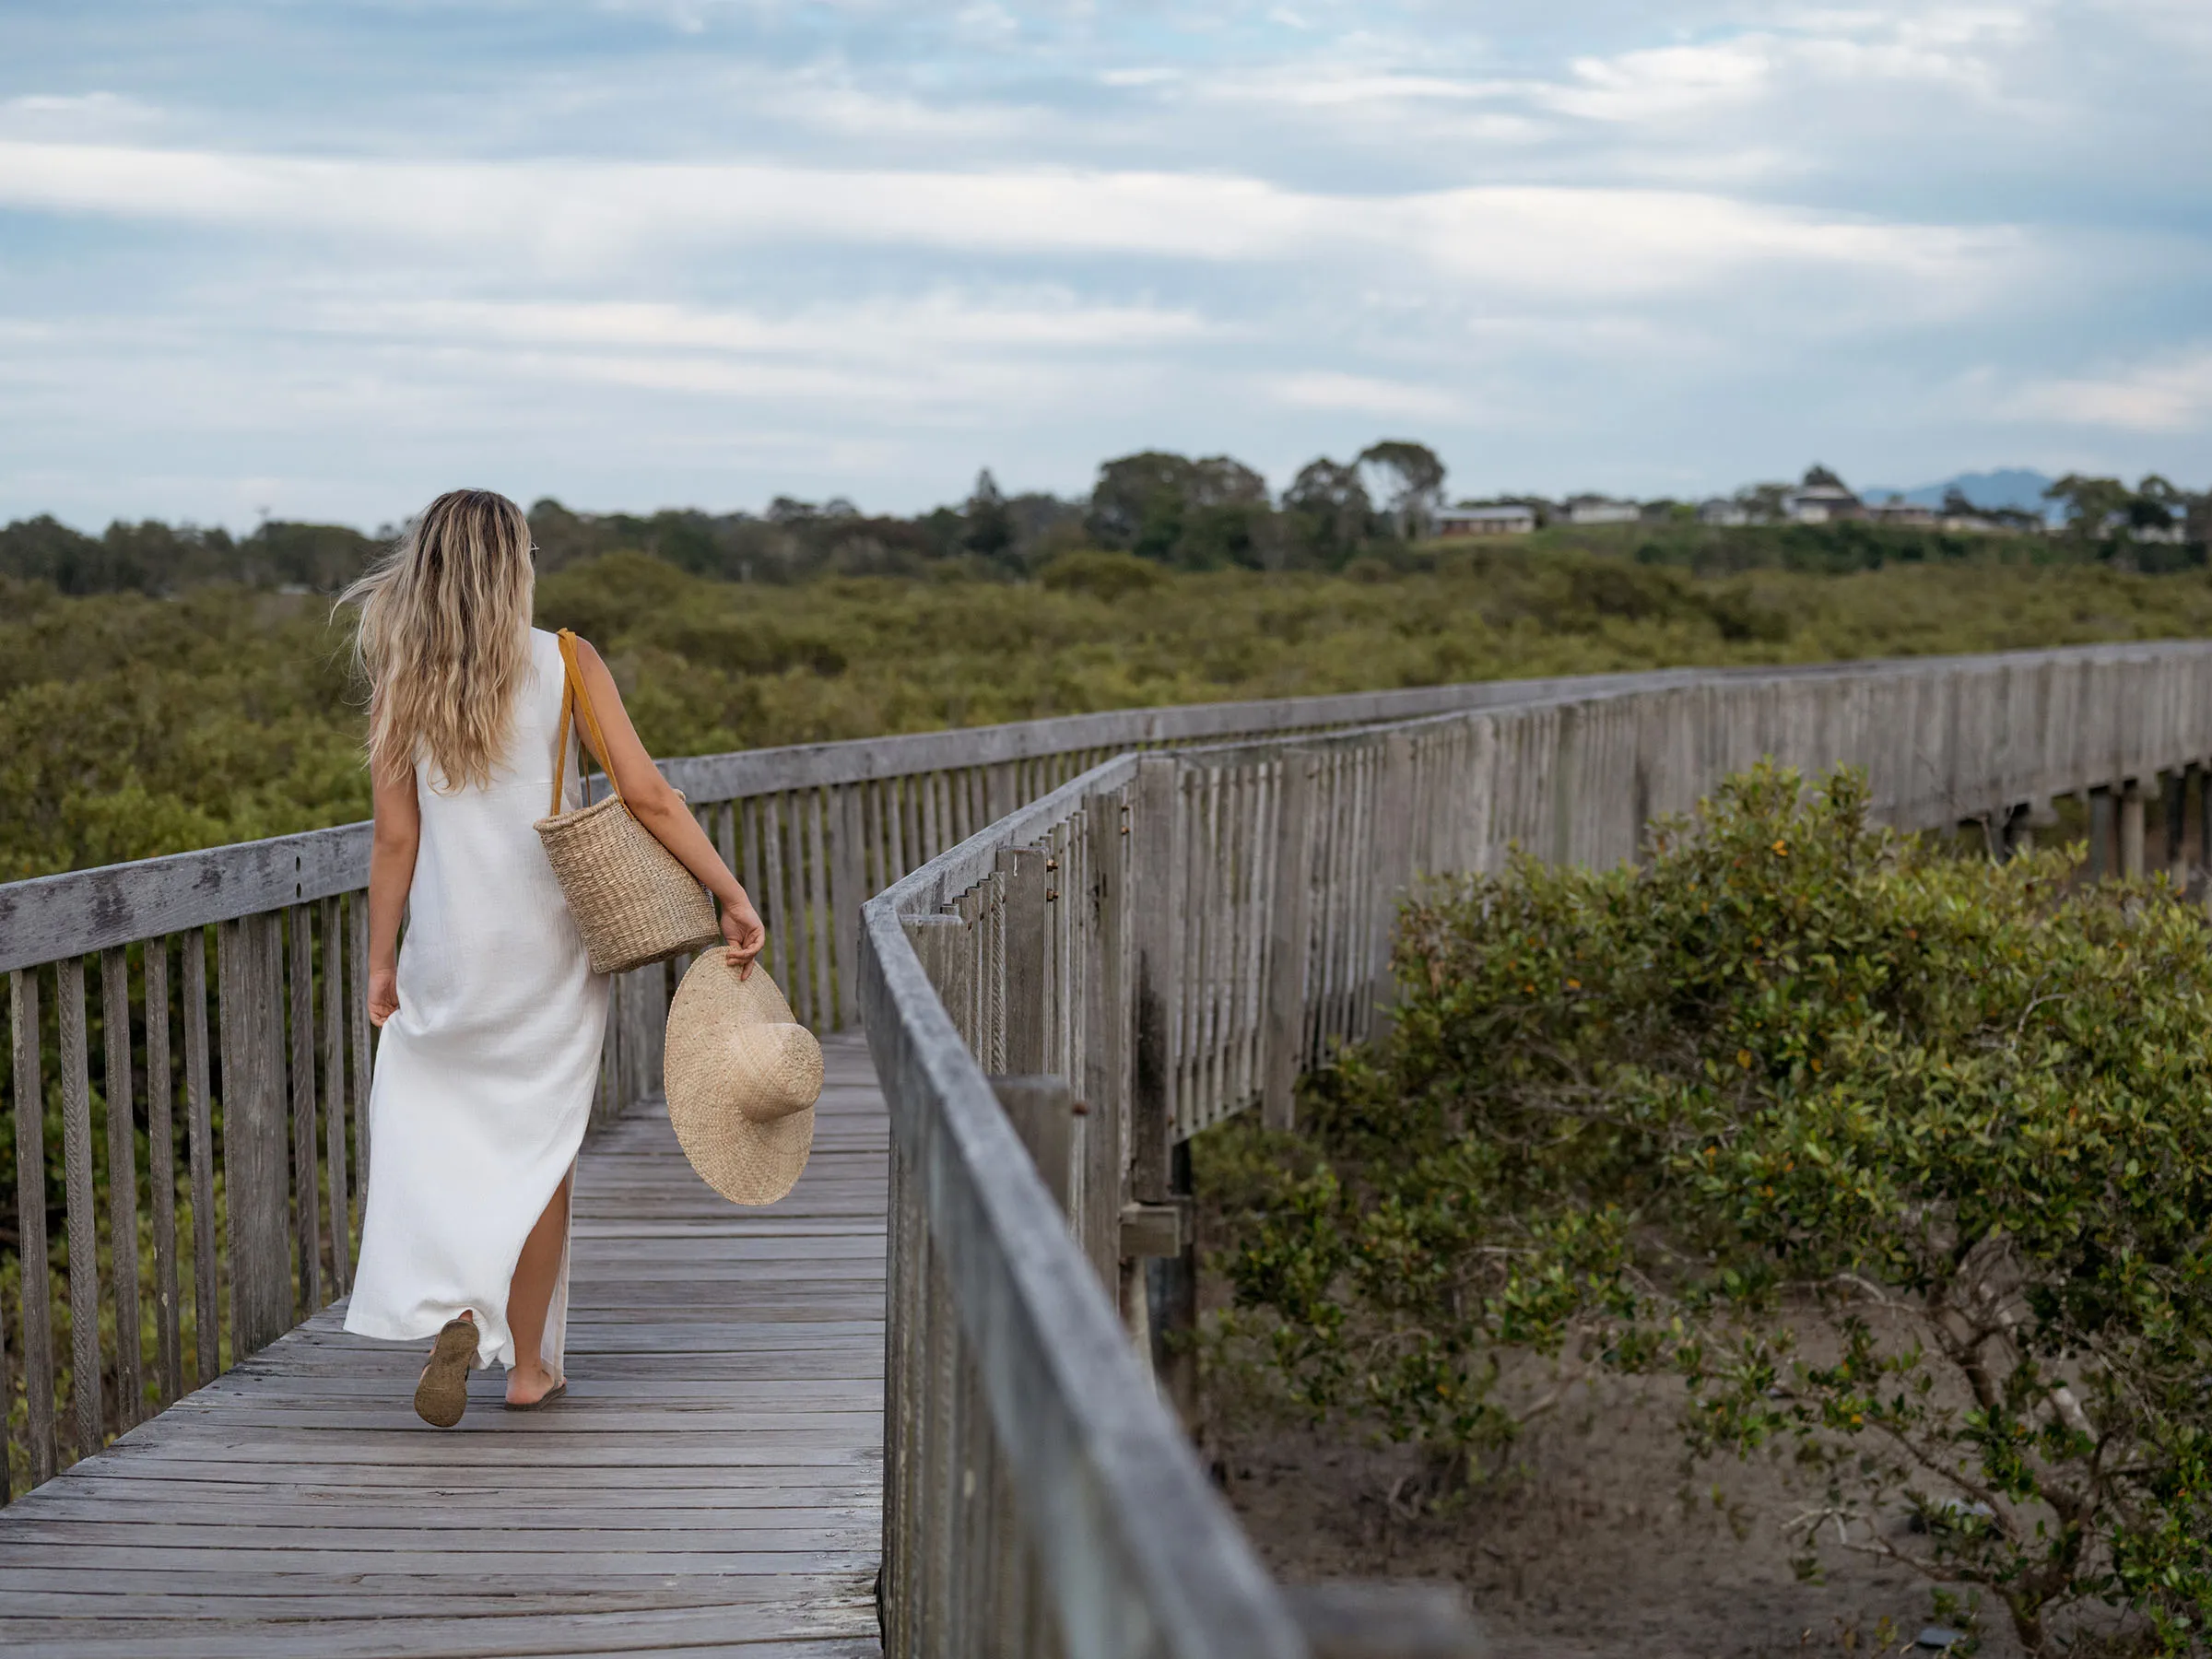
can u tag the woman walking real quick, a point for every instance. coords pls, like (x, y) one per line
(491, 1017)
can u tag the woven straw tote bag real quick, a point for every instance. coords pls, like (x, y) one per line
(634, 900)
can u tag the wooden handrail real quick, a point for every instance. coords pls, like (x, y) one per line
(1216, 920)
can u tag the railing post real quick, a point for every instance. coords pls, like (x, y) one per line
(940, 945)
(2177, 787)
(1151, 867)
(1042, 1111)
(998, 789)
(848, 889)
(2133, 794)
(253, 1141)
(1287, 942)
(123, 1182)
(84, 1252)
(307, 1216)
(1105, 1034)
(1021, 869)
(31, 1219)
(1393, 869)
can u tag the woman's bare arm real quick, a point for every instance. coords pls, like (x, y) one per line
(397, 836)
(657, 807)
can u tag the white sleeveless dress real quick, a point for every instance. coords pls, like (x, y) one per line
(484, 1077)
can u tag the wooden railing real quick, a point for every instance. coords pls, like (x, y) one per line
(1058, 1004)
(200, 1168)
(153, 1246)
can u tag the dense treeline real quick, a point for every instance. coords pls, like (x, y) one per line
(154, 557)
(133, 725)
(1213, 513)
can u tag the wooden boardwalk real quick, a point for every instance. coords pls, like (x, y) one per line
(712, 1484)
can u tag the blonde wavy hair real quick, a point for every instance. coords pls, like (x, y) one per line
(443, 638)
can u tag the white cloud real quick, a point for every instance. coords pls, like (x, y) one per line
(1360, 395)
(2170, 393)
(1558, 240)
(927, 325)
(1667, 81)
(82, 117)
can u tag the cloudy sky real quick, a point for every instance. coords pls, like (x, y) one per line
(325, 259)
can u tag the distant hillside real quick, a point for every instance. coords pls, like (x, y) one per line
(2016, 487)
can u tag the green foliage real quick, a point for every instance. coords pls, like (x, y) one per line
(153, 557)
(1899, 1160)
(130, 726)
(1104, 575)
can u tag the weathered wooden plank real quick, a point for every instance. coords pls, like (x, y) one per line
(88, 910)
(200, 1147)
(820, 1009)
(1022, 872)
(785, 942)
(307, 1216)
(161, 1172)
(709, 1460)
(847, 889)
(84, 1256)
(30, 1213)
(1042, 1111)
(1287, 936)
(256, 1187)
(123, 1181)
(1138, 1554)
(364, 1073)
(1152, 856)
(1107, 1018)
(832, 1625)
(334, 1098)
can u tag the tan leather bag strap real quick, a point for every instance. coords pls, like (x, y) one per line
(572, 696)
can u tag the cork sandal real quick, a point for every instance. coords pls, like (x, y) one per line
(542, 1401)
(442, 1395)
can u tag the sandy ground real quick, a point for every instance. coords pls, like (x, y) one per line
(1606, 1541)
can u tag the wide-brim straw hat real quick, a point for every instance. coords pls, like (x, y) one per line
(742, 1078)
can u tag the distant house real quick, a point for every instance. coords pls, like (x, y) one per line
(1485, 521)
(1899, 511)
(1724, 514)
(1602, 510)
(1822, 504)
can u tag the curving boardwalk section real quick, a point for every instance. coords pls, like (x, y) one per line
(712, 1485)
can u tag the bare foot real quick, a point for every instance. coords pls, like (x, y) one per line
(529, 1382)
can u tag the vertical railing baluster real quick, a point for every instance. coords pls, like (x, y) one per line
(1288, 934)
(257, 1188)
(786, 918)
(199, 1128)
(1105, 1037)
(123, 1182)
(725, 834)
(746, 817)
(334, 1098)
(847, 872)
(30, 1221)
(813, 808)
(162, 1174)
(356, 914)
(307, 1217)
(84, 1252)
